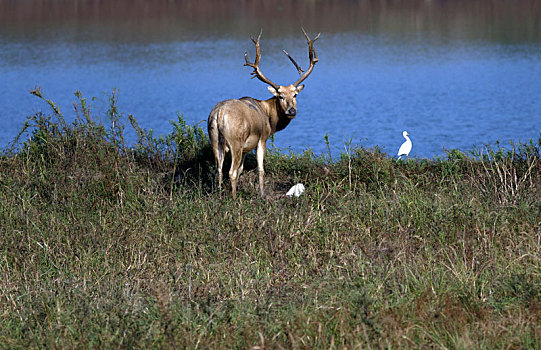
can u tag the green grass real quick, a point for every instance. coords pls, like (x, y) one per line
(108, 245)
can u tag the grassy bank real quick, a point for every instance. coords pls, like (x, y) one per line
(105, 245)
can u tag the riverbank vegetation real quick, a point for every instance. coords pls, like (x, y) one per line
(105, 244)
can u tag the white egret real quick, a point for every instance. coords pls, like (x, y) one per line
(296, 190)
(406, 146)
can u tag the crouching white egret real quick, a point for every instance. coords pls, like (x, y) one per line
(296, 190)
(405, 149)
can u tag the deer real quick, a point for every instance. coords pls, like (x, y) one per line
(241, 125)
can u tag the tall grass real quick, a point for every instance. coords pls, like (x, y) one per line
(105, 244)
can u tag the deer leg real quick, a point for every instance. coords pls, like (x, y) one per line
(219, 155)
(241, 168)
(220, 162)
(261, 147)
(236, 160)
(217, 142)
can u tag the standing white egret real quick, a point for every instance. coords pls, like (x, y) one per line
(406, 146)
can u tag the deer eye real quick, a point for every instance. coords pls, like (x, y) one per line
(281, 97)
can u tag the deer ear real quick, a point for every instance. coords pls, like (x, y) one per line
(273, 91)
(299, 88)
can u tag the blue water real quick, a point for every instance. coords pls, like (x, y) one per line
(366, 89)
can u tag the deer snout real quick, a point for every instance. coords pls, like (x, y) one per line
(291, 112)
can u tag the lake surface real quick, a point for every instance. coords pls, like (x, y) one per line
(454, 74)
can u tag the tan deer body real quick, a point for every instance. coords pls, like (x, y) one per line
(240, 126)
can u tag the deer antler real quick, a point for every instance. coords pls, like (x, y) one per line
(311, 54)
(257, 72)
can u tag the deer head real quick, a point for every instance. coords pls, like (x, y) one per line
(286, 95)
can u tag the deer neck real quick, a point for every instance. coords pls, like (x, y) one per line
(277, 118)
